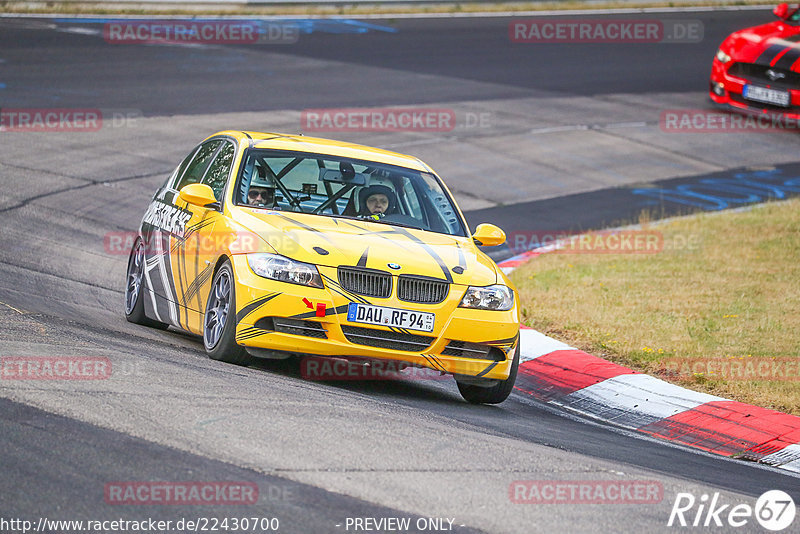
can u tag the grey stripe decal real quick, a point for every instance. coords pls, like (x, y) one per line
(362, 261)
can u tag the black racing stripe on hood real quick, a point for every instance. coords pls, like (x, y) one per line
(788, 59)
(378, 234)
(306, 227)
(432, 253)
(362, 261)
(247, 310)
(772, 51)
(769, 54)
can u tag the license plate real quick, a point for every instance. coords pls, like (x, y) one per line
(411, 320)
(768, 96)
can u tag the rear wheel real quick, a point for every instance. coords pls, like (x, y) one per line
(219, 321)
(134, 300)
(494, 394)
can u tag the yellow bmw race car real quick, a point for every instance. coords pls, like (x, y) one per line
(264, 242)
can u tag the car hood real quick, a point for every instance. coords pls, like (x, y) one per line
(762, 44)
(334, 241)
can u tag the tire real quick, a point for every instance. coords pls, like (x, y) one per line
(494, 394)
(134, 301)
(219, 320)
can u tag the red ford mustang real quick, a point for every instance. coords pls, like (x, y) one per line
(758, 69)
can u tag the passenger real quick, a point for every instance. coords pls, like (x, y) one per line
(377, 201)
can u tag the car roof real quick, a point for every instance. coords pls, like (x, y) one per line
(329, 147)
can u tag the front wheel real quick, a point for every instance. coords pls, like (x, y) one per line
(494, 394)
(219, 321)
(134, 300)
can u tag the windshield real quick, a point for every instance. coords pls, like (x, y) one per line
(330, 186)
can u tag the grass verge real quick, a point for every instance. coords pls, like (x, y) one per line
(716, 310)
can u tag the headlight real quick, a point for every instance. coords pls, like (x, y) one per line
(283, 269)
(722, 56)
(497, 297)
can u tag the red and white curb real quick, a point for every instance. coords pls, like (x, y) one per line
(553, 372)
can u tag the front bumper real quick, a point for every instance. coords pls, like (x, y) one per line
(726, 91)
(287, 317)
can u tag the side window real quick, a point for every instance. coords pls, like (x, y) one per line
(441, 213)
(217, 174)
(196, 168)
(410, 199)
(178, 172)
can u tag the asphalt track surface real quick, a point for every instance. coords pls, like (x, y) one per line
(75, 71)
(319, 452)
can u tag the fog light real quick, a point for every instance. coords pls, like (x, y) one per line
(719, 89)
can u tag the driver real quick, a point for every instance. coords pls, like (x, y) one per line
(261, 194)
(377, 201)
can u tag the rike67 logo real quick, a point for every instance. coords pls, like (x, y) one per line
(774, 510)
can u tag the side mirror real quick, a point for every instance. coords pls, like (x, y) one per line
(488, 235)
(781, 11)
(199, 195)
